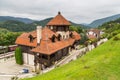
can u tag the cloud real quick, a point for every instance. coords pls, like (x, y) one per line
(80, 11)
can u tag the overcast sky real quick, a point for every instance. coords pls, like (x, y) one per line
(79, 11)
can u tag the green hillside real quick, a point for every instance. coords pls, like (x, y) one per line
(111, 28)
(102, 63)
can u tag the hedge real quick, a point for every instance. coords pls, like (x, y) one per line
(18, 56)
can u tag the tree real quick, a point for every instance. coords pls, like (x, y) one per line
(18, 56)
(84, 38)
(7, 37)
(76, 28)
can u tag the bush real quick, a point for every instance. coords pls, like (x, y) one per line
(109, 36)
(18, 56)
(116, 38)
(114, 33)
(104, 35)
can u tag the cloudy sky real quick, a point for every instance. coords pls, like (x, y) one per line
(79, 11)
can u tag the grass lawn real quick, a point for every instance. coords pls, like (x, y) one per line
(102, 63)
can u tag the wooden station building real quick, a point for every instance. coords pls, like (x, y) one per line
(48, 44)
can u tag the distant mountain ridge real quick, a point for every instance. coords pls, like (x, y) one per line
(17, 26)
(29, 22)
(93, 24)
(99, 22)
(42, 22)
(25, 20)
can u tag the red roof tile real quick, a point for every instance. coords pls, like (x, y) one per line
(24, 40)
(49, 48)
(97, 31)
(46, 45)
(91, 37)
(76, 36)
(59, 20)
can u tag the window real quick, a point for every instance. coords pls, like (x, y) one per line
(31, 38)
(54, 28)
(53, 38)
(71, 34)
(59, 37)
(52, 56)
(59, 28)
(45, 56)
(51, 27)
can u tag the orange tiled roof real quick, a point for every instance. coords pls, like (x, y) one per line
(59, 20)
(49, 48)
(76, 36)
(91, 37)
(46, 46)
(24, 40)
(97, 31)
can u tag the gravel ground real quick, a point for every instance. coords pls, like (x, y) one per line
(9, 68)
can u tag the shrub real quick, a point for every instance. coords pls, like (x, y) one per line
(116, 38)
(109, 36)
(114, 33)
(18, 56)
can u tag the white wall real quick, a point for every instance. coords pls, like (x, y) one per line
(28, 59)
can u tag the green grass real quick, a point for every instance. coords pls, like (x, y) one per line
(102, 63)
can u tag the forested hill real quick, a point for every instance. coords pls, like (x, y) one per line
(25, 20)
(17, 26)
(101, 21)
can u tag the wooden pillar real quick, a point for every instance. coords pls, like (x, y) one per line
(48, 57)
(56, 28)
(37, 63)
(56, 55)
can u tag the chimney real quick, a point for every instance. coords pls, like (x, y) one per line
(39, 34)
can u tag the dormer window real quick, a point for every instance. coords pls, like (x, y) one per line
(31, 38)
(59, 37)
(53, 38)
(71, 34)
